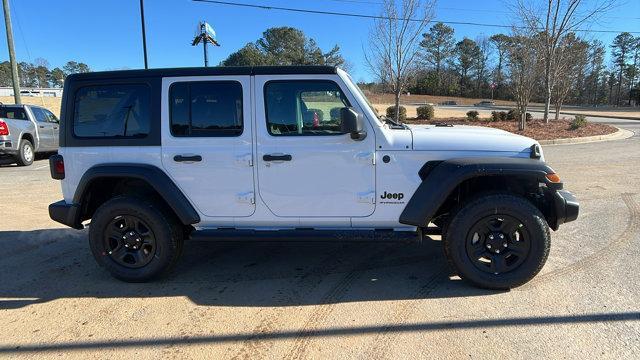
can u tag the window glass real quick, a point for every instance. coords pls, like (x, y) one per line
(206, 108)
(112, 111)
(304, 107)
(52, 118)
(13, 113)
(39, 115)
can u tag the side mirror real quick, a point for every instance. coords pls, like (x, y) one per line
(352, 123)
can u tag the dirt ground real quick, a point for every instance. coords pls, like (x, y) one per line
(49, 102)
(318, 301)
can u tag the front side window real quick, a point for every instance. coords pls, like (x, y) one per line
(304, 107)
(112, 111)
(39, 115)
(206, 108)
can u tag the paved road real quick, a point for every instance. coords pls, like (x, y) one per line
(486, 111)
(331, 301)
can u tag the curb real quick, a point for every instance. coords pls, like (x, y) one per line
(618, 135)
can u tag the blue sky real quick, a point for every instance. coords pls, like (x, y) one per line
(106, 34)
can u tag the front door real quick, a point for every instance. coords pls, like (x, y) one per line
(45, 129)
(207, 142)
(307, 167)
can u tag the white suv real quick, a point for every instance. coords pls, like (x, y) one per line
(156, 157)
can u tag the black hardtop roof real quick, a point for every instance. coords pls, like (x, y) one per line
(207, 71)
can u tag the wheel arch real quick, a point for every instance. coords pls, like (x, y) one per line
(103, 182)
(448, 184)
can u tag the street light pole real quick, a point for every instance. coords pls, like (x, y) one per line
(12, 52)
(144, 35)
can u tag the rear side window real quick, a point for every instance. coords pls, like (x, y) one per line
(112, 111)
(206, 108)
(13, 113)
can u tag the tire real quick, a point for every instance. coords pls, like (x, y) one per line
(134, 239)
(474, 246)
(25, 154)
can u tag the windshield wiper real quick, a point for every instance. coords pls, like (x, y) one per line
(395, 124)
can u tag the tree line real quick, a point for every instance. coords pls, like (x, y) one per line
(485, 65)
(40, 74)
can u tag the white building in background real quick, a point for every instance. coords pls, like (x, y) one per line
(52, 92)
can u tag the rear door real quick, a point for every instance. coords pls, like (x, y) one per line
(207, 142)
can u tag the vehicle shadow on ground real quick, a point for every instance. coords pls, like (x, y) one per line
(422, 327)
(44, 265)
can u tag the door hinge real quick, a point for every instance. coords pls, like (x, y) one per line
(246, 197)
(368, 197)
(246, 159)
(368, 157)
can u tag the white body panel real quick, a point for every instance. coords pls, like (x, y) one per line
(332, 182)
(222, 184)
(328, 176)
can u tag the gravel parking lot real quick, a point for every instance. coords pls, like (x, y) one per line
(329, 300)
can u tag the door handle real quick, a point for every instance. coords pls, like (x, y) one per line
(41, 126)
(272, 157)
(187, 158)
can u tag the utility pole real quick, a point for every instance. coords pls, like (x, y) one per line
(206, 60)
(144, 35)
(12, 52)
(205, 34)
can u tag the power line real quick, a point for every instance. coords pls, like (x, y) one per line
(365, 16)
(492, 11)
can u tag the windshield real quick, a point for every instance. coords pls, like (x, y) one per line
(364, 97)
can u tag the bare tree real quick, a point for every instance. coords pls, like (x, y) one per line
(555, 20)
(572, 60)
(394, 43)
(523, 62)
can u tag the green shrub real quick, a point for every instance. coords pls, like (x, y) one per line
(391, 113)
(425, 112)
(514, 114)
(498, 116)
(472, 115)
(578, 122)
(334, 113)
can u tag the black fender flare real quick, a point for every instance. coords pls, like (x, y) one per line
(152, 175)
(440, 178)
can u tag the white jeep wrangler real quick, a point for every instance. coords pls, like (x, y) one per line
(155, 157)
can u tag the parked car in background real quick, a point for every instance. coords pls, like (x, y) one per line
(26, 130)
(449, 102)
(485, 103)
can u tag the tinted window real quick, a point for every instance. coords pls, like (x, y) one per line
(112, 111)
(206, 108)
(304, 107)
(52, 118)
(39, 115)
(13, 113)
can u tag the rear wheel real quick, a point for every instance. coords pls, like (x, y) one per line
(25, 154)
(498, 241)
(134, 240)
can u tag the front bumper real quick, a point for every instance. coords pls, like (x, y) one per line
(566, 206)
(66, 214)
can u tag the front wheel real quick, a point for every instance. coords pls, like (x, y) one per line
(498, 241)
(133, 239)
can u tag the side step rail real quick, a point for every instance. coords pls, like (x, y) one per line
(305, 235)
